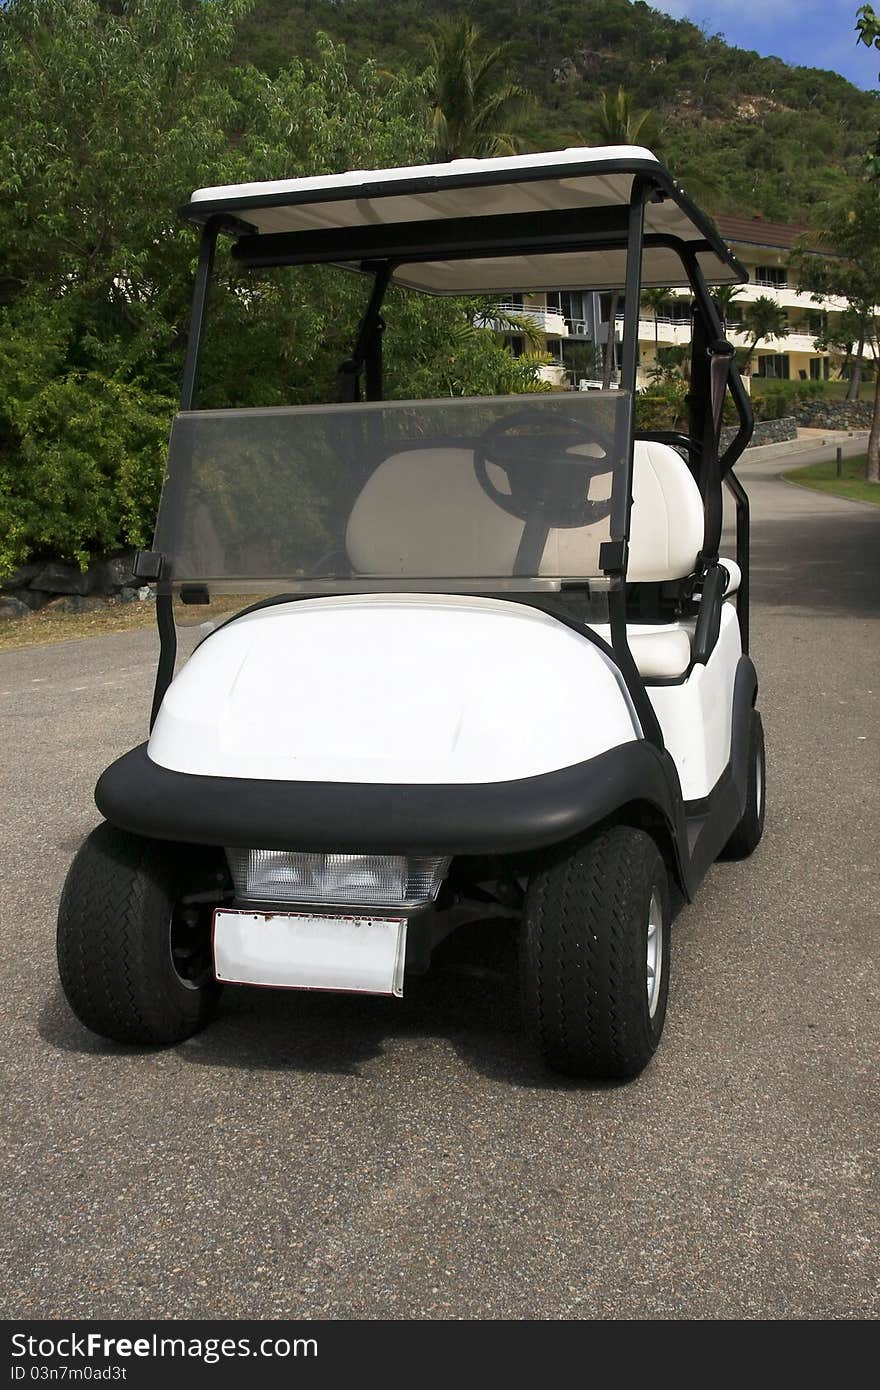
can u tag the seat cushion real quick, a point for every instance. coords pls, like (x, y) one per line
(661, 651)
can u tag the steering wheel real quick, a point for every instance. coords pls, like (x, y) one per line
(547, 476)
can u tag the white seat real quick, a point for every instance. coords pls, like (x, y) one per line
(666, 526)
(424, 512)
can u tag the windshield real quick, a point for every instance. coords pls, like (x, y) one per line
(487, 493)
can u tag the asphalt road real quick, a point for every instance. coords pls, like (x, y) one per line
(320, 1156)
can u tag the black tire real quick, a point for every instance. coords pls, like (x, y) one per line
(584, 966)
(115, 941)
(747, 835)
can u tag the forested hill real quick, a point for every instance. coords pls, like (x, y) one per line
(766, 137)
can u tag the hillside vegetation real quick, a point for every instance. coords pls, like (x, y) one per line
(762, 136)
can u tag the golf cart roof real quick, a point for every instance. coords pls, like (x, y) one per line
(474, 226)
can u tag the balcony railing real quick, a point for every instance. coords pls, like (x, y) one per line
(548, 320)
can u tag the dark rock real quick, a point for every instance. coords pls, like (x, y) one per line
(75, 603)
(20, 577)
(55, 578)
(766, 432)
(32, 597)
(13, 608)
(139, 595)
(834, 415)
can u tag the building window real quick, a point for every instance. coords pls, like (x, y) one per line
(772, 275)
(777, 367)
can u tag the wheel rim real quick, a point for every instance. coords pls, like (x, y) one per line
(189, 947)
(655, 952)
(759, 784)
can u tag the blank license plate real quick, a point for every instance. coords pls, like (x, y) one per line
(298, 950)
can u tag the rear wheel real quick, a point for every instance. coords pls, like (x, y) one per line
(747, 834)
(134, 960)
(595, 955)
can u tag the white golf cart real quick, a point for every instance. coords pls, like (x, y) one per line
(495, 664)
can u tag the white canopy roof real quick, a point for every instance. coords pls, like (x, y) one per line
(535, 189)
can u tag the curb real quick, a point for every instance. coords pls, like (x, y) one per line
(823, 492)
(761, 453)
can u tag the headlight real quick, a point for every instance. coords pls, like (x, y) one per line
(386, 880)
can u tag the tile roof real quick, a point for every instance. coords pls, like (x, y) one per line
(757, 231)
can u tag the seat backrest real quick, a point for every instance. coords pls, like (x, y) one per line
(423, 512)
(666, 526)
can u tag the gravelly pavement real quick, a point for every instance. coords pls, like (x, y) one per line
(331, 1157)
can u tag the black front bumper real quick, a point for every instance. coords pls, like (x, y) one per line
(529, 813)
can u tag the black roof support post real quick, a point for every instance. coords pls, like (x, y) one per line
(188, 397)
(642, 190)
(367, 351)
(199, 312)
(710, 337)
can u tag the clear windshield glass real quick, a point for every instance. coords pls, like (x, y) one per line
(514, 492)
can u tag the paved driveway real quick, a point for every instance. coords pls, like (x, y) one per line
(323, 1156)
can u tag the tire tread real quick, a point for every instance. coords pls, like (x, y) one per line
(580, 970)
(117, 898)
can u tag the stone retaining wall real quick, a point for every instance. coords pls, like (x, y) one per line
(834, 415)
(766, 432)
(49, 584)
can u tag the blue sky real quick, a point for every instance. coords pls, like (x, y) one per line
(817, 33)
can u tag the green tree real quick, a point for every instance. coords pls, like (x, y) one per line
(763, 319)
(475, 110)
(868, 30)
(852, 271)
(112, 114)
(613, 120)
(846, 333)
(724, 295)
(654, 300)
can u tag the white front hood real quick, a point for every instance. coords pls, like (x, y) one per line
(392, 688)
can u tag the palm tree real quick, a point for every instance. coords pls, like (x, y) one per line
(474, 111)
(724, 295)
(653, 300)
(764, 318)
(614, 121)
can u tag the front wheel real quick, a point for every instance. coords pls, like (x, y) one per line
(135, 960)
(595, 955)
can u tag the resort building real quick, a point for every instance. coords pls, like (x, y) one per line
(573, 324)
